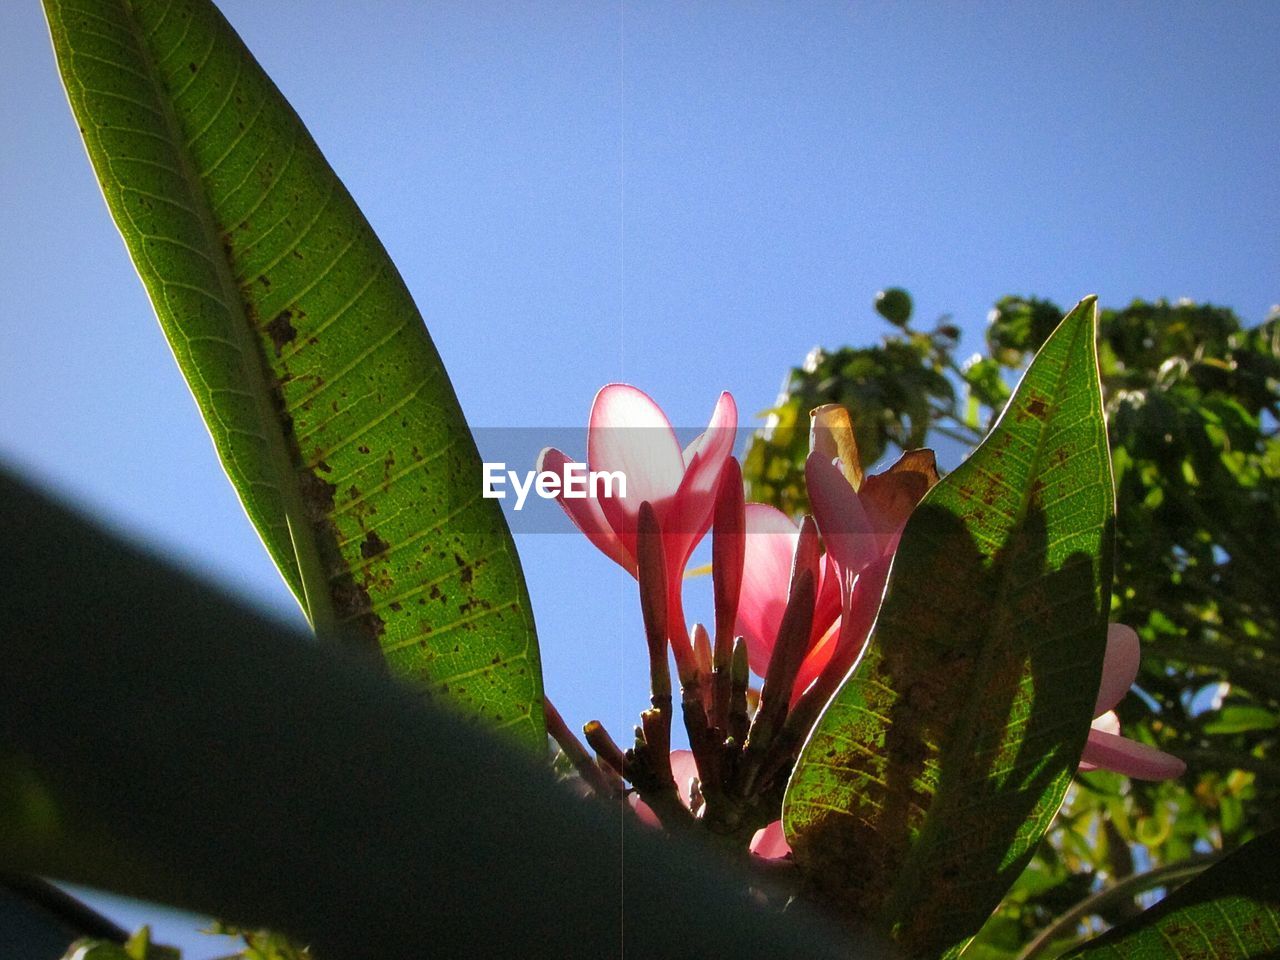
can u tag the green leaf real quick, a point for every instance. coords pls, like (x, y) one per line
(1241, 718)
(324, 395)
(1229, 912)
(137, 947)
(192, 752)
(939, 764)
(262, 944)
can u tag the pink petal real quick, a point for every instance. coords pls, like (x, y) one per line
(628, 432)
(770, 842)
(841, 519)
(889, 497)
(717, 440)
(687, 516)
(586, 514)
(684, 769)
(766, 572)
(1129, 757)
(827, 606)
(815, 661)
(1106, 722)
(644, 813)
(825, 634)
(853, 627)
(1119, 666)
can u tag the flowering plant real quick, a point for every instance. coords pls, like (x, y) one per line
(793, 607)
(900, 678)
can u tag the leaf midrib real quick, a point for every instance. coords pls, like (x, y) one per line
(901, 894)
(317, 602)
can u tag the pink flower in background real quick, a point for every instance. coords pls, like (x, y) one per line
(628, 432)
(1106, 749)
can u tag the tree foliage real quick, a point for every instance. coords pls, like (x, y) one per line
(1191, 395)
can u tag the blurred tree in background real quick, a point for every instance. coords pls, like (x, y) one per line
(1192, 399)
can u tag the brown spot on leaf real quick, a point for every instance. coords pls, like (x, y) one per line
(281, 330)
(372, 545)
(317, 495)
(1036, 408)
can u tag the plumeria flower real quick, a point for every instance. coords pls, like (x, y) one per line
(628, 432)
(770, 545)
(861, 528)
(860, 518)
(1106, 749)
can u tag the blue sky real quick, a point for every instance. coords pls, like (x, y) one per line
(684, 196)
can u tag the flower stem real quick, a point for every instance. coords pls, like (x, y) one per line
(728, 555)
(607, 750)
(784, 664)
(576, 752)
(651, 574)
(739, 677)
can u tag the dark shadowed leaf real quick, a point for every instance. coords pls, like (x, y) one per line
(321, 388)
(170, 744)
(939, 764)
(37, 919)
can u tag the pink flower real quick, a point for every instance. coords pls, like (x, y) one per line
(861, 529)
(860, 519)
(1106, 749)
(628, 432)
(770, 544)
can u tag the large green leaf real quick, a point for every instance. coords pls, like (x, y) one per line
(325, 397)
(941, 761)
(1229, 912)
(177, 746)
